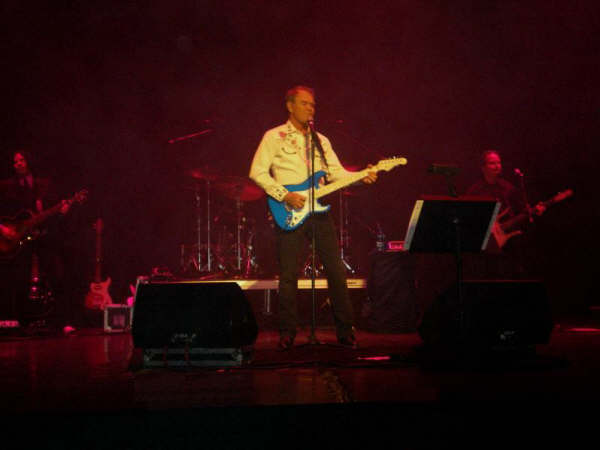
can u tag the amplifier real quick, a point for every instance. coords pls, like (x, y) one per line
(117, 318)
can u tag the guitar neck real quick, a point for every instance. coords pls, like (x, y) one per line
(42, 216)
(550, 202)
(98, 270)
(332, 187)
(524, 215)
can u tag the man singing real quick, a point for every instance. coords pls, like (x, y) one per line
(283, 158)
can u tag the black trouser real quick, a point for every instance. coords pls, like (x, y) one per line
(289, 245)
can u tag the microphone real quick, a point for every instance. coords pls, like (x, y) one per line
(311, 124)
(190, 136)
(518, 172)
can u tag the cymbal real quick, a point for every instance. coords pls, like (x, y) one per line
(353, 168)
(204, 173)
(239, 188)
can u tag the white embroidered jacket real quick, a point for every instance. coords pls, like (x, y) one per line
(282, 158)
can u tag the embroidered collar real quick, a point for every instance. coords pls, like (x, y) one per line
(293, 137)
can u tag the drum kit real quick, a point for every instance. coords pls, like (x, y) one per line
(222, 248)
(227, 237)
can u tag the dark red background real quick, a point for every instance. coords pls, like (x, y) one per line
(96, 90)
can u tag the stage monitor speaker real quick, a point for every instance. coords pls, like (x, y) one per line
(209, 315)
(495, 314)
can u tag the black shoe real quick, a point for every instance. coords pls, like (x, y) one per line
(285, 342)
(348, 341)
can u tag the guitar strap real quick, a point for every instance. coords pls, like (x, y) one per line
(313, 144)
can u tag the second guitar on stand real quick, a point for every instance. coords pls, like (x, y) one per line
(98, 296)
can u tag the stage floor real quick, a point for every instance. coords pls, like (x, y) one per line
(90, 387)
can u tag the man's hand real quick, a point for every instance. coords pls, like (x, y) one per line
(294, 200)
(8, 232)
(64, 207)
(539, 209)
(371, 177)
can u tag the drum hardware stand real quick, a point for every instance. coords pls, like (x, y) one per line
(344, 231)
(250, 262)
(251, 266)
(307, 270)
(238, 207)
(218, 261)
(208, 255)
(348, 267)
(246, 254)
(521, 176)
(185, 263)
(198, 263)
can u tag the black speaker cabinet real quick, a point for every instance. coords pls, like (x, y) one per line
(391, 289)
(209, 315)
(495, 313)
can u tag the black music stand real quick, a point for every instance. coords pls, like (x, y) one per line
(442, 224)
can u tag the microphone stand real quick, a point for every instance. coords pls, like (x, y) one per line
(449, 171)
(310, 144)
(525, 199)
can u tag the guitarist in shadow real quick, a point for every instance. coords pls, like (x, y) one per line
(27, 194)
(504, 256)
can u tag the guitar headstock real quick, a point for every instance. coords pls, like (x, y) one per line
(562, 195)
(390, 163)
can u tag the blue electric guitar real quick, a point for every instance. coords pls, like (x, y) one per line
(290, 219)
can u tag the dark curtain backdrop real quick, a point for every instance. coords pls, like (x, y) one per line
(96, 90)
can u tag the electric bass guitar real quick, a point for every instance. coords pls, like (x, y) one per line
(504, 230)
(98, 296)
(289, 219)
(23, 227)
